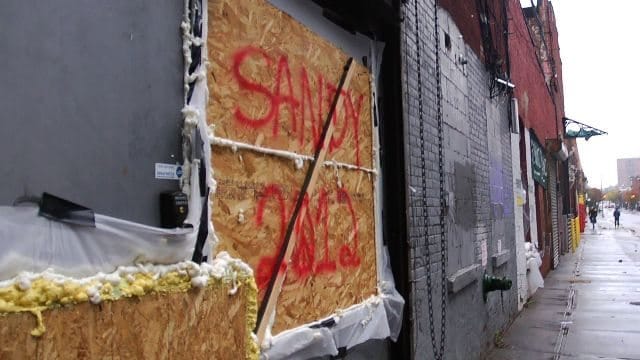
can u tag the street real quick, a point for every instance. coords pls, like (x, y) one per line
(629, 220)
(590, 306)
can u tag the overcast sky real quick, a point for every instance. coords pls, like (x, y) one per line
(599, 45)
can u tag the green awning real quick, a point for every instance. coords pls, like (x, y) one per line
(576, 129)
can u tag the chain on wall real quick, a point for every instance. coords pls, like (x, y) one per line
(438, 351)
(443, 201)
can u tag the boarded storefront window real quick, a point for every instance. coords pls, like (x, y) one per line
(271, 83)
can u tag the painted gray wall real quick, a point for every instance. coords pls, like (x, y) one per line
(90, 93)
(478, 180)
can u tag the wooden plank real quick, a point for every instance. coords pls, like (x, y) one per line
(200, 324)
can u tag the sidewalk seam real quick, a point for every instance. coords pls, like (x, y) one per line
(566, 321)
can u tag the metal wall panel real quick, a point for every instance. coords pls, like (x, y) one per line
(553, 190)
(91, 93)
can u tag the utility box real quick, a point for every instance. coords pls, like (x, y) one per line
(174, 206)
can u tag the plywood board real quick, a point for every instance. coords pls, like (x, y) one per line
(334, 263)
(271, 82)
(199, 324)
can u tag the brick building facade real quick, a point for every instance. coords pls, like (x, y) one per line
(460, 62)
(463, 141)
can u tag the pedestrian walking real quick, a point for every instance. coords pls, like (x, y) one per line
(593, 214)
(616, 216)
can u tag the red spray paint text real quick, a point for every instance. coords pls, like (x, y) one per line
(310, 230)
(304, 104)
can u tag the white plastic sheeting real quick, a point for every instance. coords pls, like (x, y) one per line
(29, 242)
(534, 276)
(379, 317)
(195, 124)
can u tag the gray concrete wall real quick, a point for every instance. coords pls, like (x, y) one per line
(90, 93)
(478, 182)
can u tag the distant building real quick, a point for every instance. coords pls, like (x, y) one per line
(626, 169)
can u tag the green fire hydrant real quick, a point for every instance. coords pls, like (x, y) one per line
(492, 283)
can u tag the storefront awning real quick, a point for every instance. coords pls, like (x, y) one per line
(576, 129)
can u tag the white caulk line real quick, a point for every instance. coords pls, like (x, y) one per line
(566, 322)
(297, 158)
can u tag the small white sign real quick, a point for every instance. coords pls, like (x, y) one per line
(168, 171)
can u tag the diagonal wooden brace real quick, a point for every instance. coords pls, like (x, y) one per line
(268, 305)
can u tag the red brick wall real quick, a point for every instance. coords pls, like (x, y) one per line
(465, 15)
(558, 89)
(536, 106)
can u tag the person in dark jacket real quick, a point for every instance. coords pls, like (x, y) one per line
(616, 216)
(593, 214)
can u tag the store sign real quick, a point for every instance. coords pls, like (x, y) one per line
(539, 164)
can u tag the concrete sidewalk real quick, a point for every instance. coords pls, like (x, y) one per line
(589, 307)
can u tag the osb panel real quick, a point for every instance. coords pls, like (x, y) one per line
(170, 326)
(253, 202)
(271, 82)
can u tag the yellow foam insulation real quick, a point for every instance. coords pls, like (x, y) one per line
(215, 303)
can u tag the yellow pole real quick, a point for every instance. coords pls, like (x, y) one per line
(578, 235)
(573, 235)
(573, 232)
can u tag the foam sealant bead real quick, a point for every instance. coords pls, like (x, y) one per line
(191, 116)
(36, 292)
(298, 159)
